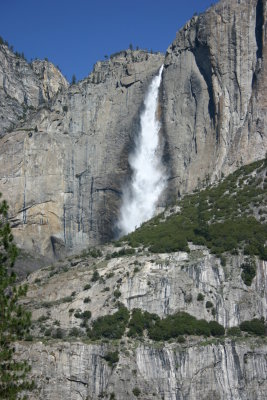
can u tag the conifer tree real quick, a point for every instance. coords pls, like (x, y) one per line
(14, 319)
(73, 79)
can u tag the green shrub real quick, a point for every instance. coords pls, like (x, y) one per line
(87, 286)
(183, 324)
(255, 326)
(248, 272)
(234, 331)
(87, 300)
(209, 304)
(117, 293)
(136, 391)
(95, 253)
(216, 329)
(75, 332)
(110, 326)
(95, 276)
(140, 320)
(122, 252)
(112, 358)
(83, 315)
(86, 314)
(200, 297)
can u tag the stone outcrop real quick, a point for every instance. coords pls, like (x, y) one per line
(200, 368)
(63, 170)
(161, 284)
(213, 106)
(24, 87)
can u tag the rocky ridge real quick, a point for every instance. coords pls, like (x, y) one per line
(24, 87)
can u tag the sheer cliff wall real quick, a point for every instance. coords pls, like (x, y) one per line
(213, 105)
(62, 170)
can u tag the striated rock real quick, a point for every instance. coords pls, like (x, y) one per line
(200, 368)
(161, 284)
(228, 371)
(213, 107)
(63, 170)
(24, 87)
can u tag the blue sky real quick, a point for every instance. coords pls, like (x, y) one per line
(75, 34)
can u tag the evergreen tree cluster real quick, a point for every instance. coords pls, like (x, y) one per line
(14, 319)
(18, 54)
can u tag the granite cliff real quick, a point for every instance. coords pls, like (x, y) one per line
(64, 148)
(24, 87)
(213, 107)
(63, 168)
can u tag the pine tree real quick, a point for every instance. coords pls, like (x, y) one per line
(73, 79)
(14, 320)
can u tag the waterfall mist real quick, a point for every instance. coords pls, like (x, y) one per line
(148, 178)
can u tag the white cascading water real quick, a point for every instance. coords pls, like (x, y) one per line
(148, 177)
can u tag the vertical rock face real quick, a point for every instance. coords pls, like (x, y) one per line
(63, 170)
(213, 106)
(228, 371)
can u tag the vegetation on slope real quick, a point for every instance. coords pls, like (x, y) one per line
(14, 320)
(114, 326)
(139, 322)
(221, 217)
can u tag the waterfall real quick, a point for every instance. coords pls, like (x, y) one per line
(140, 197)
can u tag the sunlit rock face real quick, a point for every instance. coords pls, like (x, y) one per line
(62, 171)
(24, 87)
(213, 105)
